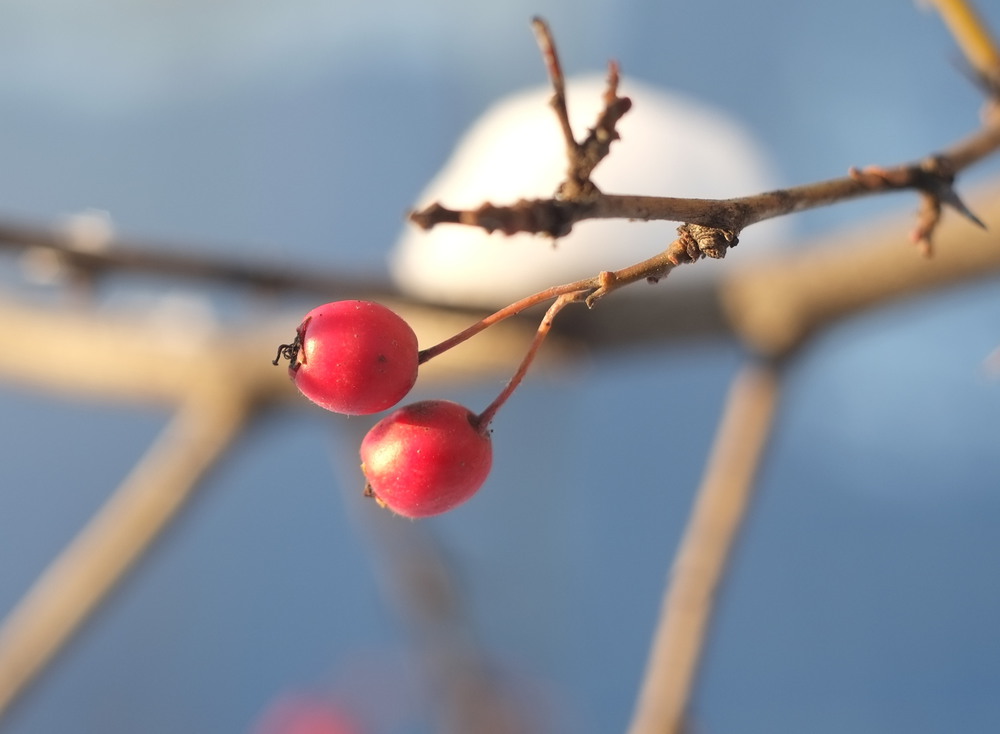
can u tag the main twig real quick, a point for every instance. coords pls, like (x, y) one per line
(555, 217)
(710, 226)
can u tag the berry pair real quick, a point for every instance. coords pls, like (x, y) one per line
(357, 358)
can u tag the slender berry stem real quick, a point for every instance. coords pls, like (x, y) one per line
(588, 284)
(594, 288)
(484, 418)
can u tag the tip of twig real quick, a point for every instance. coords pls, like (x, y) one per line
(614, 77)
(433, 215)
(547, 45)
(924, 244)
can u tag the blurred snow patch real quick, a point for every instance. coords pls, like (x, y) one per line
(670, 145)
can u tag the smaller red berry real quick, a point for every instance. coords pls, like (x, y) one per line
(426, 458)
(304, 715)
(353, 357)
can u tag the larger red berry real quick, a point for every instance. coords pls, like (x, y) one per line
(426, 458)
(353, 357)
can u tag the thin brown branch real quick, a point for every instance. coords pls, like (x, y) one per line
(556, 217)
(484, 418)
(720, 221)
(550, 217)
(590, 290)
(582, 157)
(775, 305)
(84, 574)
(578, 199)
(597, 145)
(503, 314)
(550, 56)
(172, 261)
(719, 509)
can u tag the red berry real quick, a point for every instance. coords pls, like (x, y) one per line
(426, 458)
(302, 715)
(353, 357)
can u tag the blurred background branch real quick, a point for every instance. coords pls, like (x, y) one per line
(206, 424)
(720, 505)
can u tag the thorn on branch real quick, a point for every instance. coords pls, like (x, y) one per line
(940, 182)
(934, 179)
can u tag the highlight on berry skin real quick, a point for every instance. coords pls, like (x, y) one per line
(426, 458)
(352, 357)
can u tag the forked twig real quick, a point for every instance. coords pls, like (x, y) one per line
(582, 157)
(711, 226)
